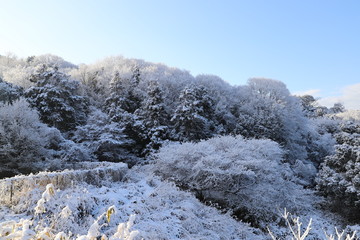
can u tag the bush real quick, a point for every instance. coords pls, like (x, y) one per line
(24, 140)
(162, 211)
(339, 175)
(247, 176)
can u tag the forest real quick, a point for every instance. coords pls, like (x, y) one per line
(128, 149)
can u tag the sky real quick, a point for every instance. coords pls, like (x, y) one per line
(311, 46)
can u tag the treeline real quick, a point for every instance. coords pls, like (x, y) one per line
(54, 113)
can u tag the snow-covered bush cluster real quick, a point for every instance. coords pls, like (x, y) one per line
(236, 173)
(339, 175)
(24, 139)
(26, 229)
(248, 150)
(298, 232)
(162, 211)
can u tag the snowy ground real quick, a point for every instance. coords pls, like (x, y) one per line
(162, 211)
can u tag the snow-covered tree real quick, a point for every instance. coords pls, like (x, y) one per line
(268, 110)
(8, 92)
(153, 110)
(24, 140)
(121, 105)
(247, 176)
(104, 139)
(349, 115)
(337, 108)
(224, 98)
(193, 118)
(50, 60)
(57, 99)
(117, 103)
(339, 175)
(313, 109)
(154, 116)
(309, 105)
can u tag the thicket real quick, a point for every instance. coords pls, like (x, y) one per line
(339, 175)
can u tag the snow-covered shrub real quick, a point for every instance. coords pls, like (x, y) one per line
(350, 115)
(104, 139)
(320, 139)
(24, 140)
(8, 92)
(267, 110)
(14, 191)
(70, 152)
(162, 211)
(28, 145)
(339, 176)
(39, 228)
(248, 176)
(297, 231)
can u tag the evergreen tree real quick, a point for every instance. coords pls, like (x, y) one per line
(193, 118)
(8, 92)
(115, 104)
(57, 99)
(121, 105)
(134, 97)
(154, 116)
(124, 96)
(104, 139)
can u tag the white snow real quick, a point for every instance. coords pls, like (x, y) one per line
(162, 212)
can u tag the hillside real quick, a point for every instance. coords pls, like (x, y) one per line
(170, 155)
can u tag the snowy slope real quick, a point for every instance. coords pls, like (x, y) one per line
(162, 211)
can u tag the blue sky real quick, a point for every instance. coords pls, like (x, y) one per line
(307, 44)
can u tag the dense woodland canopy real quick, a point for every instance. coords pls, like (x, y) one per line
(244, 147)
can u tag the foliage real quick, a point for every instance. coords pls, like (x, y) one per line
(269, 111)
(247, 176)
(339, 176)
(38, 229)
(122, 109)
(24, 140)
(350, 115)
(56, 98)
(297, 232)
(8, 92)
(104, 139)
(162, 211)
(121, 106)
(154, 117)
(192, 119)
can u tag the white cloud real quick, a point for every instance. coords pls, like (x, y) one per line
(349, 97)
(312, 92)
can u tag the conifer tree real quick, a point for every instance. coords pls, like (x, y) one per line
(121, 105)
(8, 92)
(105, 139)
(56, 99)
(193, 118)
(154, 116)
